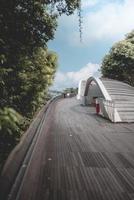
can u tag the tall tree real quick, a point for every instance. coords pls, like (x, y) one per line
(27, 68)
(34, 78)
(119, 63)
(25, 26)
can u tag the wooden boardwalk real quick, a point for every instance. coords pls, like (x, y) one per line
(79, 156)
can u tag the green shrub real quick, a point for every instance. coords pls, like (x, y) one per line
(9, 128)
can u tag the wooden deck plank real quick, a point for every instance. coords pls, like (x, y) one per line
(81, 156)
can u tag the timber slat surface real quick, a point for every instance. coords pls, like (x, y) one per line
(80, 156)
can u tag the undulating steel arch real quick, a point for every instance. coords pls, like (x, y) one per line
(116, 98)
(100, 85)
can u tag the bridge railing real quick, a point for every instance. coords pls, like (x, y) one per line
(107, 109)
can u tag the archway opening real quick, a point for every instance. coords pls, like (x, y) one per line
(93, 93)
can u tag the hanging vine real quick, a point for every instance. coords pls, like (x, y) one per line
(80, 19)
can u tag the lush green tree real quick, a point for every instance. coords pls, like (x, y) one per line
(26, 87)
(35, 76)
(9, 128)
(119, 63)
(27, 68)
(10, 132)
(26, 24)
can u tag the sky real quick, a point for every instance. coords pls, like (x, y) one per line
(105, 22)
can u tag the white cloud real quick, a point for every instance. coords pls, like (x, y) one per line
(71, 79)
(109, 21)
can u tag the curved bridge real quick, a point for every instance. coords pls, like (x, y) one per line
(72, 154)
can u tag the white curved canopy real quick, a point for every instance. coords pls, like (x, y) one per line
(100, 85)
(115, 94)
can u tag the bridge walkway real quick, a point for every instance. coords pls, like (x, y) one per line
(80, 156)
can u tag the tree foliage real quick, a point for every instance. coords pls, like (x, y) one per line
(63, 6)
(24, 88)
(27, 67)
(9, 127)
(35, 76)
(119, 63)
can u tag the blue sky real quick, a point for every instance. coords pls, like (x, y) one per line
(104, 23)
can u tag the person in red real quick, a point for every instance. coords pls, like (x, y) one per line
(97, 107)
